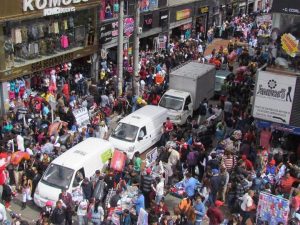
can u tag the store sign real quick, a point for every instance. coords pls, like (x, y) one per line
(286, 6)
(105, 33)
(52, 62)
(274, 96)
(128, 26)
(289, 44)
(50, 6)
(183, 14)
(148, 21)
(57, 10)
(203, 10)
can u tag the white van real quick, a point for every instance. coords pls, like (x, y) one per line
(139, 130)
(68, 170)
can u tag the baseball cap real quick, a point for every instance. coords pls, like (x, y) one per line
(219, 203)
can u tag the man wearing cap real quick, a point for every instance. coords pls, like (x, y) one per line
(215, 214)
(146, 182)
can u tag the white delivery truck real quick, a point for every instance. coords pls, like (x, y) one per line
(189, 85)
(139, 130)
(68, 170)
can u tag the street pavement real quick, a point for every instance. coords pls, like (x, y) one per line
(31, 213)
(216, 44)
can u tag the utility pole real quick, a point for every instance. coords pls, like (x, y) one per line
(136, 50)
(120, 47)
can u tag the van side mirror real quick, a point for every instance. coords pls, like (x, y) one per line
(186, 107)
(140, 138)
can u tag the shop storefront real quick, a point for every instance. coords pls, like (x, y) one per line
(181, 23)
(39, 36)
(108, 38)
(202, 21)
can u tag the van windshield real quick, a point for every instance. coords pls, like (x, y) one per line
(171, 102)
(125, 132)
(58, 176)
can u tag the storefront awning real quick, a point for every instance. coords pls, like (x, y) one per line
(286, 6)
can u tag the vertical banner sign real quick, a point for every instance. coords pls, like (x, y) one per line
(272, 209)
(274, 96)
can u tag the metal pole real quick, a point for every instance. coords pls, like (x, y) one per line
(120, 48)
(136, 50)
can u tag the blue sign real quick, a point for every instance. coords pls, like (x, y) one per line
(277, 126)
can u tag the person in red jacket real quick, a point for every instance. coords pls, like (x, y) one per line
(285, 183)
(215, 214)
(248, 163)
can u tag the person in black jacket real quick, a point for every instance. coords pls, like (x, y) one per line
(58, 215)
(146, 182)
(87, 188)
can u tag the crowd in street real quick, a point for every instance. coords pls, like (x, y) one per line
(217, 163)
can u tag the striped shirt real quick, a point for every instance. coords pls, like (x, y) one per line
(229, 162)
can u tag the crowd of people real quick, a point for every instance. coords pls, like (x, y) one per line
(220, 159)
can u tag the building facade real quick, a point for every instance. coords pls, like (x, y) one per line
(41, 35)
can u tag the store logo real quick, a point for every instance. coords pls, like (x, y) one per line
(31, 5)
(270, 91)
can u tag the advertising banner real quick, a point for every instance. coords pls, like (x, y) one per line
(289, 44)
(147, 5)
(272, 209)
(183, 14)
(274, 96)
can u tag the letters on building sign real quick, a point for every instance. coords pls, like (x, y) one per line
(31, 5)
(52, 62)
(183, 14)
(203, 10)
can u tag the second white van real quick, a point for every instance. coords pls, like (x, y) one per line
(139, 130)
(69, 169)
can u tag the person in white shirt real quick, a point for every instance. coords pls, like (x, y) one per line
(3, 216)
(20, 143)
(248, 207)
(103, 130)
(159, 189)
(82, 212)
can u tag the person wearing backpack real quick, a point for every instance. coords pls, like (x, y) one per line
(192, 161)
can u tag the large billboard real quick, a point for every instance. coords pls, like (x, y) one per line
(274, 97)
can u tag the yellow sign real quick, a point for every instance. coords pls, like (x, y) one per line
(289, 44)
(203, 10)
(105, 156)
(183, 14)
